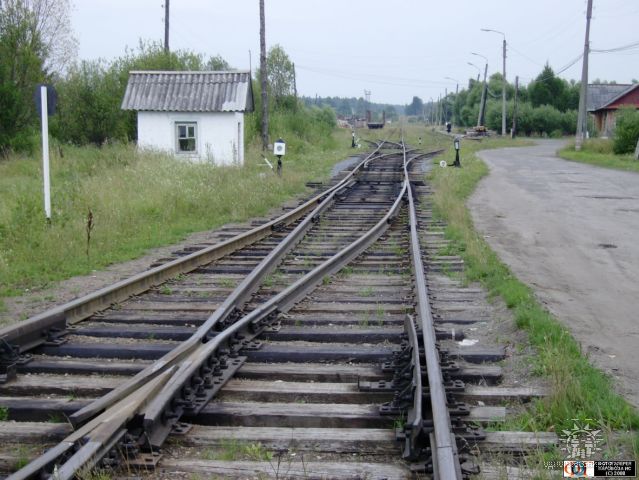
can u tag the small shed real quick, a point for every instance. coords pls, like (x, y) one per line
(604, 100)
(194, 115)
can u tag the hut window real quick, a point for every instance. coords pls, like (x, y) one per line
(186, 137)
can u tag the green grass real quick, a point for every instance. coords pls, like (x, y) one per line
(578, 390)
(598, 151)
(232, 449)
(138, 200)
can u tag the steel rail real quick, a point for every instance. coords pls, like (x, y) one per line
(230, 306)
(96, 438)
(282, 302)
(443, 445)
(156, 418)
(51, 324)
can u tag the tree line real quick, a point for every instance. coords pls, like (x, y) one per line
(354, 106)
(547, 105)
(37, 46)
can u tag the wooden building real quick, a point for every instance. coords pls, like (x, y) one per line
(603, 101)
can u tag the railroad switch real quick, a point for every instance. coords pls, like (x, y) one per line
(10, 358)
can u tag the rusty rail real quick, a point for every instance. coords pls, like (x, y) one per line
(204, 363)
(443, 446)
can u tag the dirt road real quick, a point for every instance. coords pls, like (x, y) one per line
(571, 232)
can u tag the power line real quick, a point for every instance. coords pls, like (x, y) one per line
(617, 49)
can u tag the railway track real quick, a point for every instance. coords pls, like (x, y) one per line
(309, 346)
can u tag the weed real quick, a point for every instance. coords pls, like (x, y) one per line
(226, 282)
(233, 449)
(141, 199)
(326, 280)
(346, 271)
(56, 418)
(599, 152)
(93, 474)
(165, 290)
(4, 414)
(366, 292)
(399, 422)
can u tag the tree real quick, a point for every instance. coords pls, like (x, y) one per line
(263, 77)
(281, 75)
(35, 43)
(91, 92)
(416, 107)
(22, 54)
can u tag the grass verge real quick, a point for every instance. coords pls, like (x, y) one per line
(598, 151)
(138, 200)
(578, 390)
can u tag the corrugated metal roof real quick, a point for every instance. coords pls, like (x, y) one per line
(600, 95)
(189, 91)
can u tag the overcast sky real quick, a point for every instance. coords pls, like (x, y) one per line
(396, 49)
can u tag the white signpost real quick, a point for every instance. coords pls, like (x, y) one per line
(279, 149)
(45, 151)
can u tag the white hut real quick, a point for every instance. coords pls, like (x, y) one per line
(195, 115)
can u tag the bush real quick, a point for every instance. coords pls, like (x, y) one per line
(626, 130)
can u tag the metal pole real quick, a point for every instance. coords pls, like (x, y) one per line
(503, 95)
(581, 118)
(45, 152)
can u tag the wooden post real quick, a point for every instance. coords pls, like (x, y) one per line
(583, 91)
(263, 77)
(637, 150)
(513, 131)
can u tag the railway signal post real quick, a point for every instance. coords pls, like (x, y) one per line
(279, 149)
(457, 163)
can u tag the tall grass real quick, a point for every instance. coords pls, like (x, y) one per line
(599, 152)
(578, 390)
(138, 199)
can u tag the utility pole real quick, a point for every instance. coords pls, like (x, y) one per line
(503, 93)
(482, 102)
(263, 77)
(503, 96)
(445, 106)
(294, 82)
(514, 129)
(166, 26)
(583, 92)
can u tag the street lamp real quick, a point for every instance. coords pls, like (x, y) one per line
(482, 102)
(478, 70)
(503, 93)
(454, 80)
(456, 92)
